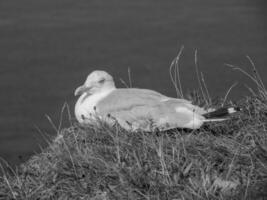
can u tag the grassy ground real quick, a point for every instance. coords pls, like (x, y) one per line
(220, 161)
(226, 160)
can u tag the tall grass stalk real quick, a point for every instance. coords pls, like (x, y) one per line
(254, 76)
(174, 71)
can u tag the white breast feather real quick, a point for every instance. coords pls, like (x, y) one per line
(85, 107)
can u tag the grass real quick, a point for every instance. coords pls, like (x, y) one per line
(226, 160)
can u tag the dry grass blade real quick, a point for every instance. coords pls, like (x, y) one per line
(255, 77)
(198, 79)
(124, 83)
(207, 98)
(228, 92)
(175, 74)
(130, 78)
(130, 85)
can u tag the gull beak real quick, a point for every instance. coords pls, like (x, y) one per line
(80, 90)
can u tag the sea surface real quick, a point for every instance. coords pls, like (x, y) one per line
(48, 47)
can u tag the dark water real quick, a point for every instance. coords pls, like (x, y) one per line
(47, 48)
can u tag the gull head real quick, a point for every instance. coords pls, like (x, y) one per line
(96, 81)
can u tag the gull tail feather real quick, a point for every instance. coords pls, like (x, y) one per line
(221, 113)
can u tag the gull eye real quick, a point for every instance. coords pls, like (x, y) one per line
(101, 80)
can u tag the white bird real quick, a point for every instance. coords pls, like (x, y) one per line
(137, 109)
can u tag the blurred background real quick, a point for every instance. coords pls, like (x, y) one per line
(48, 47)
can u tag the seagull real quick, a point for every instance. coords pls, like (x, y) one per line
(138, 109)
